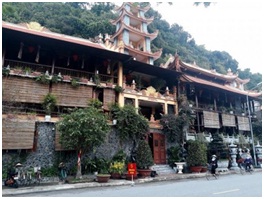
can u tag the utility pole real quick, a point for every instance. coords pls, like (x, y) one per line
(250, 125)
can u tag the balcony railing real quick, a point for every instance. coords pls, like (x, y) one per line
(63, 71)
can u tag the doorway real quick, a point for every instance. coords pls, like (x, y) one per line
(157, 144)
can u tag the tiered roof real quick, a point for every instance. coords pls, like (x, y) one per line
(195, 74)
(137, 36)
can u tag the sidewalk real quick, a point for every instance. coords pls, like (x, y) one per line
(8, 191)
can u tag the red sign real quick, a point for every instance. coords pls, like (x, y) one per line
(132, 168)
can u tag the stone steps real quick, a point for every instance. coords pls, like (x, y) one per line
(163, 169)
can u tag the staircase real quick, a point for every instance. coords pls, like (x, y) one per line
(163, 169)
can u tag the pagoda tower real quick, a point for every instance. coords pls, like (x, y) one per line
(132, 34)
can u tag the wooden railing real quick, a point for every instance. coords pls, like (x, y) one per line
(63, 71)
(23, 65)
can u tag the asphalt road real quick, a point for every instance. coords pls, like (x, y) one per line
(236, 185)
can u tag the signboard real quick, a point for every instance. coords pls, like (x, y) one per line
(132, 168)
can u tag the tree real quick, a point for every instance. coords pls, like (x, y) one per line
(172, 125)
(130, 124)
(82, 130)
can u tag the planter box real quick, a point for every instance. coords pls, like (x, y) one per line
(144, 172)
(196, 169)
(115, 175)
(103, 178)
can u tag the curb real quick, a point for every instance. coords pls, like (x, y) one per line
(45, 188)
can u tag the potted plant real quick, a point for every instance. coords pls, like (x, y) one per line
(74, 82)
(158, 83)
(103, 177)
(196, 155)
(117, 165)
(230, 110)
(109, 82)
(49, 104)
(27, 70)
(118, 89)
(144, 158)
(222, 109)
(116, 169)
(97, 80)
(56, 79)
(5, 71)
(43, 79)
(103, 172)
(113, 109)
(211, 107)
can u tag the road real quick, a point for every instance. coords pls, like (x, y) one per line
(249, 185)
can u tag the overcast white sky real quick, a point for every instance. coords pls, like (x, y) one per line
(232, 26)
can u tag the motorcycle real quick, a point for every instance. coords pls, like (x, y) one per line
(11, 180)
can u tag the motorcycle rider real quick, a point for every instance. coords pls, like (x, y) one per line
(248, 163)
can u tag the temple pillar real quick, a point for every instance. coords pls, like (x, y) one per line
(121, 100)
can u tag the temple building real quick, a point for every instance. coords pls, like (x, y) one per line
(37, 62)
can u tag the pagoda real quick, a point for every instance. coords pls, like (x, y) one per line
(132, 34)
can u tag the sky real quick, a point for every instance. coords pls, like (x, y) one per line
(232, 26)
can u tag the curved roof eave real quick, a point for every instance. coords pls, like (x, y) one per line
(208, 72)
(155, 55)
(243, 81)
(124, 11)
(124, 26)
(145, 9)
(223, 87)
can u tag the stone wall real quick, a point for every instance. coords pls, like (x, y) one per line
(45, 156)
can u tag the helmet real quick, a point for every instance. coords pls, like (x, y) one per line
(18, 164)
(214, 156)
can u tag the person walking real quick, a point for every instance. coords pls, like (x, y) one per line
(62, 173)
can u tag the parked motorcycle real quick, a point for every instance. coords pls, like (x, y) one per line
(12, 176)
(11, 179)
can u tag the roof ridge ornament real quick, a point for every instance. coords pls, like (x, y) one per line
(229, 72)
(34, 26)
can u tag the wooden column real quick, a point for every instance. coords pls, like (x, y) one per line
(197, 114)
(53, 65)
(175, 98)
(165, 108)
(121, 101)
(136, 104)
(3, 57)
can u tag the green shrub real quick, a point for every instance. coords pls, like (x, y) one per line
(49, 171)
(173, 155)
(197, 153)
(144, 157)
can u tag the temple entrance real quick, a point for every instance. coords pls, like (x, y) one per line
(157, 144)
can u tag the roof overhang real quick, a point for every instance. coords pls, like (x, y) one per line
(137, 66)
(215, 86)
(11, 32)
